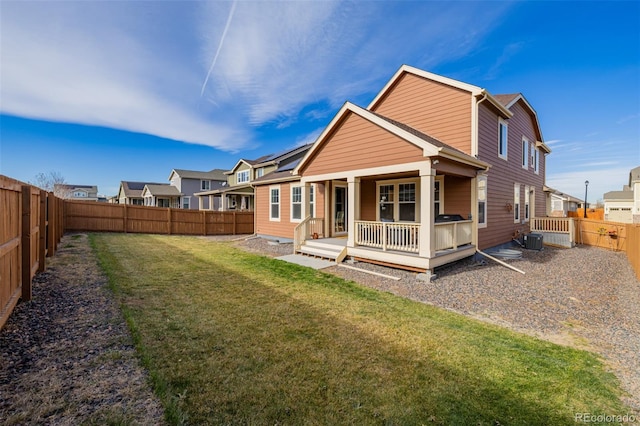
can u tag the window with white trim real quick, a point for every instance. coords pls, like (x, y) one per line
(274, 203)
(525, 153)
(503, 138)
(312, 204)
(516, 203)
(205, 185)
(242, 176)
(527, 197)
(536, 163)
(407, 202)
(438, 195)
(162, 202)
(186, 202)
(532, 154)
(296, 203)
(260, 172)
(397, 200)
(482, 201)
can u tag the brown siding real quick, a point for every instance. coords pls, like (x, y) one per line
(368, 203)
(457, 196)
(436, 109)
(284, 228)
(504, 174)
(358, 144)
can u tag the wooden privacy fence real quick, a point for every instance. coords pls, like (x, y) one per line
(31, 226)
(103, 217)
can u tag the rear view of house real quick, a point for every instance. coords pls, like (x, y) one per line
(432, 170)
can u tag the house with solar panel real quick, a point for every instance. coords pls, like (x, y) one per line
(238, 193)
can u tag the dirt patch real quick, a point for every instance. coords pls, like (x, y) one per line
(67, 357)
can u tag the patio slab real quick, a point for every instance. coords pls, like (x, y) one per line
(309, 262)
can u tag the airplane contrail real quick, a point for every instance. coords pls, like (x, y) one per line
(215, 58)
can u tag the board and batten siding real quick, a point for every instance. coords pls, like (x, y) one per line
(359, 144)
(283, 228)
(436, 109)
(503, 174)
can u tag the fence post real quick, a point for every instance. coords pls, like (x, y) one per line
(42, 232)
(26, 243)
(204, 222)
(124, 218)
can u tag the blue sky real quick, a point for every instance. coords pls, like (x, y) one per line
(104, 91)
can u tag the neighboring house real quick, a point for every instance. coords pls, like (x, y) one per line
(432, 170)
(76, 192)
(238, 192)
(189, 182)
(161, 195)
(131, 192)
(624, 206)
(560, 204)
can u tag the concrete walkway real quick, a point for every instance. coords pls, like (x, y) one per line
(310, 262)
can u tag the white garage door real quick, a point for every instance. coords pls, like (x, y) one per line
(620, 214)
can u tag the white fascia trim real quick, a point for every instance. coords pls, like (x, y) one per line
(232, 171)
(173, 171)
(544, 146)
(395, 168)
(463, 158)
(425, 74)
(507, 113)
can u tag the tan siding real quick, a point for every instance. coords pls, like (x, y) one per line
(358, 144)
(457, 196)
(504, 174)
(441, 111)
(284, 228)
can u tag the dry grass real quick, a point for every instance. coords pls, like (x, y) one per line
(231, 337)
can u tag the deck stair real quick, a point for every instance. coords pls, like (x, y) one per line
(317, 248)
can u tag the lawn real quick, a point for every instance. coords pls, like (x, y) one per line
(235, 338)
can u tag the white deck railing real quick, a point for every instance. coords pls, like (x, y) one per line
(556, 230)
(388, 236)
(451, 235)
(306, 229)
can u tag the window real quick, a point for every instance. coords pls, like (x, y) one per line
(386, 202)
(503, 139)
(296, 203)
(526, 203)
(437, 196)
(407, 201)
(274, 203)
(205, 185)
(186, 202)
(532, 154)
(516, 203)
(397, 201)
(162, 202)
(482, 201)
(137, 202)
(80, 194)
(260, 172)
(525, 153)
(312, 204)
(242, 176)
(536, 163)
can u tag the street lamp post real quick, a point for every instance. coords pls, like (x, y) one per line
(586, 185)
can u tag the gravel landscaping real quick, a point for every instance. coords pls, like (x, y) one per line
(67, 356)
(583, 297)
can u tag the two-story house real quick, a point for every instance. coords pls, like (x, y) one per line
(131, 192)
(189, 182)
(431, 171)
(238, 192)
(76, 192)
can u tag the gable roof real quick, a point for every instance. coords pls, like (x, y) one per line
(215, 174)
(134, 189)
(474, 90)
(161, 189)
(618, 195)
(511, 99)
(429, 145)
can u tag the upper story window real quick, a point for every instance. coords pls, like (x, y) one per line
(260, 172)
(205, 185)
(525, 153)
(79, 194)
(242, 176)
(536, 161)
(503, 138)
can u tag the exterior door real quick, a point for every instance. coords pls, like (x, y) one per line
(340, 210)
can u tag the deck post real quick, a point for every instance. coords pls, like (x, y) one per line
(353, 208)
(427, 228)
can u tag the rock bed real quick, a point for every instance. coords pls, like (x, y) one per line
(67, 357)
(584, 297)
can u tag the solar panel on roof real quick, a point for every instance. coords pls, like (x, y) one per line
(290, 166)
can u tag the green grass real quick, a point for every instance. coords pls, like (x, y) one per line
(234, 338)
